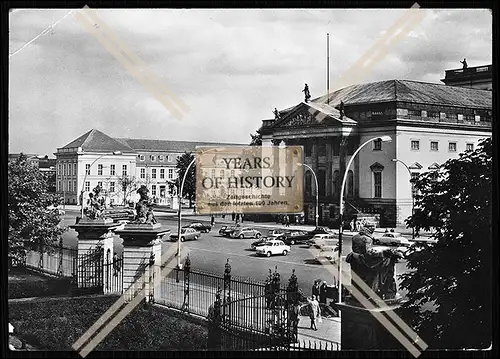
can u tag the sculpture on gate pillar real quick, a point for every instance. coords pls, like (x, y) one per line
(95, 207)
(144, 208)
(375, 268)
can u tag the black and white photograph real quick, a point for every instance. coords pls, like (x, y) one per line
(258, 180)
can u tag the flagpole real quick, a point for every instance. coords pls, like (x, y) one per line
(327, 68)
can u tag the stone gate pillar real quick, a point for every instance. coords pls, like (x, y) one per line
(141, 245)
(93, 233)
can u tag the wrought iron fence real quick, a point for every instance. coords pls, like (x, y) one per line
(49, 259)
(90, 276)
(113, 274)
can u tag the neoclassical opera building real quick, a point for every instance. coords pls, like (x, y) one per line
(429, 123)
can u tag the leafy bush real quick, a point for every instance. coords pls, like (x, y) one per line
(57, 324)
(27, 285)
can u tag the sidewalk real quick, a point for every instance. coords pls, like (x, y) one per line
(328, 331)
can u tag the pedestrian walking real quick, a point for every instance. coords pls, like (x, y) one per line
(212, 221)
(242, 218)
(315, 313)
(315, 289)
(353, 225)
(233, 216)
(357, 225)
(322, 292)
(287, 221)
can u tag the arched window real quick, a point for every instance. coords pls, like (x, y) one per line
(350, 184)
(336, 183)
(308, 183)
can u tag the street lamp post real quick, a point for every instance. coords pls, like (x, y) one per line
(317, 190)
(412, 197)
(383, 139)
(85, 178)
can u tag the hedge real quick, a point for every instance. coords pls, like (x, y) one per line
(26, 284)
(57, 324)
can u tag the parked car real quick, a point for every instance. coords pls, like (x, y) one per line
(120, 214)
(186, 235)
(200, 227)
(319, 230)
(227, 230)
(272, 247)
(274, 233)
(328, 252)
(246, 232)
(259, 242)
(320, 239)
(392, 238)
(294, 237)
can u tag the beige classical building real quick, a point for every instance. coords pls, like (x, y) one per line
(429, 123)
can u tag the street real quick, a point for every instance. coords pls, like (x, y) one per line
(210, 252)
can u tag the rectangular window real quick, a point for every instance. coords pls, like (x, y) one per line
(59, 186)
(415, 113)
(112, 170)
(469, 147)
(87, 186)
(452, 147)
(153, 157)
(87, 169)
(124, 170)
(74, 169)
(377, 145)
(160, 158)
(433, 114)
(69, 185)
(336, 147)
(74, 186)
(99, 170)
(153, 190)
(153, 173)
(321, 150)
(434, 146)
(143, 173)
(162, 173)
(141, 157)
(64, 169)
(111, 186)
(377, 184)
(415, 145)
(170, 173)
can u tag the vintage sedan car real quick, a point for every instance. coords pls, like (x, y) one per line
(319, 230)
(320, 239)
(274, 233)
(328, 252)
(246, 232)
(294, 237)
(227, 230)
(187, 234)
(200, 227)
(392, 239)
(273, 247)
(260, 242)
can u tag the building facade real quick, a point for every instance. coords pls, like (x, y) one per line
(479, 77)
(120, 166)
(428, 123)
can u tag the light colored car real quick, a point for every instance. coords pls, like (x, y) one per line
(392, 239)
(328, 252)
(273, 247)
(274, 233)
(321, 239)
(186, 235)
(246, 232)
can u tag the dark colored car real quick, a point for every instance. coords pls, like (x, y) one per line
(227, 230)
(120, 214)
(261, 241)
(294, 237)
(200, 227)
(318, 230)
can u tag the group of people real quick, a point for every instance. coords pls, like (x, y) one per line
(356, 224)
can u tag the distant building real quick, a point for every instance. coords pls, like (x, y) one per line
(98, 159)
(479, 77)
(429, 123)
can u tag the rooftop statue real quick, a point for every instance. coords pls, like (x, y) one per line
(464, 63)
(375, 268)
(306, 92)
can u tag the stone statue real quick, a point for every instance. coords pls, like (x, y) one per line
(341, 109)
(306, 92)
(276, 114)
(464, 63)
(375, 268)
(96, 205)
(144, 208)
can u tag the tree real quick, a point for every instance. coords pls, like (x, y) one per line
(189, 189)
(128, 184)
(449, 282)
(32, 213)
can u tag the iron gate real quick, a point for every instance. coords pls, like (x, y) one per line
(90, 276)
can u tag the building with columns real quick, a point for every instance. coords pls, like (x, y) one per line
(97, 159)
(429, 123)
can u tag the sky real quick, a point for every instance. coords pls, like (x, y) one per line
(230, 67)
